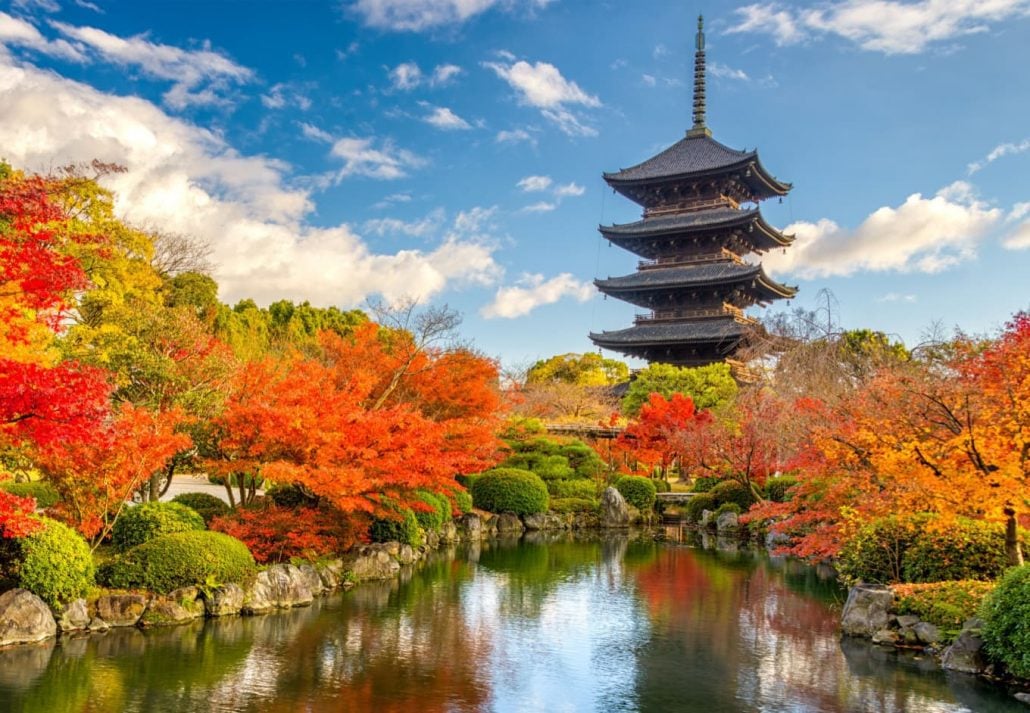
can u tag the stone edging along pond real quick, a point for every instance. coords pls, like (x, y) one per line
(27, 619)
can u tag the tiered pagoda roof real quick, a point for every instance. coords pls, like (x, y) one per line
(693, 235)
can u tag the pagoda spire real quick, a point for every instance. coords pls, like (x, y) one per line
(699, 128)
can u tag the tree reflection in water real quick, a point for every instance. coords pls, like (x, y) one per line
(543, 624)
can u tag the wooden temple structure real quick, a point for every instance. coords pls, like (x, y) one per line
(700, 219)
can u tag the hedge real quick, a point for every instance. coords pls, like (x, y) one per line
(565, 505)
(55, 563)
(463, 501)
(947, 605)
(776, 488)
(433, 520)
(403, 528)
(179, 560)
(698, 504)
(638, 491)
(1006, 616)
(42, 491)
(730, 491)
(703, 484)
(204, 504)
(510, 490)
(573, 489)
(141, 523)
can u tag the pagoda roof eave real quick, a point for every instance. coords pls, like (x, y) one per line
(696, 333)
(689, 223)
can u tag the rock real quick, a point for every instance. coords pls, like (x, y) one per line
(432, 540)
(1022, 697)
(281, 586)
(225, 600)
(179, 606)
(545, 521)
(906, 621)
(449, 532)
(24, 618)
(927, 633)
(331, 574)
(614, 512)
(390, 548)
(727, 522)
(966, 652)
(406, 554)
(885, 637)
(470, 526)
(312, 580)
(98, 624)
(371, 564)
(509, 524)
(73, 616)
(909, 637)
(121, 609)
(707, 518)
(776, 539)
(866, 610)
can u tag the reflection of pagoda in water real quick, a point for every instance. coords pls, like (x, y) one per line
(692, 238)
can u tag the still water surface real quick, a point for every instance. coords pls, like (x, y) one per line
(551, 624)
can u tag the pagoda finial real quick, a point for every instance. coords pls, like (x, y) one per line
(699, 128)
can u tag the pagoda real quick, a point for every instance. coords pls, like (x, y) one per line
(700, 219)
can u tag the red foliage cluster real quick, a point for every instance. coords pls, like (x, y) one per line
(16, 516)
(278, 534)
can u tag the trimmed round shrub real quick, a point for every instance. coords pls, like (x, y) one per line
(565, 505)
(727, 507)
(776, 488)
(553, 468)
(573, 489)
(698, 504)
(145, 522)
(510, 490)
(288, 496)
(1006, 616)
(463, 501)
(964, 549)
(730, 491)
(875, 552)
(703, 484)
(182, 559)
(55, 563)
(204, 504)
(583, 459)
(662, 486)
(403, 528)
(638, 491)
(42, 491)
(433, 520)
(466, 481)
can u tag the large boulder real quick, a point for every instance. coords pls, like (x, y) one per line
(470, 526)
(73, 616)
(121, 609)
(867, 610)
(331, 574)
(966, 653)
(179, 606)
(727, 522)
(614, 512)
(544, 521)
(24, 618)
(406, 554)
(280, 586)
(225, 600)
(309, 574)
(707, 519)
(373, 563)
(509, 524)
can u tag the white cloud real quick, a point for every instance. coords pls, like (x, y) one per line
(999, 151)
(542, 86)
(361, 158)
(416, 228)
(649, 80)
(185, 179)
(514, 136)
(533, 291)
(285, 94)
(1020, 237)
(722, 71)
(921, 235)
(888, 26)
(569, 190)
(420, 15)
(310, 131)
(660, 51)
(392, 199)
(444, 73)
(896, 297)
(530, 184)
(44, 5)
(406, 76)
(443, 118)
(21, 33)
(540, 207)
(199, 77)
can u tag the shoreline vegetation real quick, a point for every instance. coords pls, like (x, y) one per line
(369, 433)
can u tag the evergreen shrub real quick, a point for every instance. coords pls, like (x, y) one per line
(730, 491)
(288, 496)
(776, 488)
(1006, 616)
(946, 605)
(463, 501)
(566, 505)
(204, 504)
(141, 523)
(703, 484)
(638, 491)
(42, 491)
(510, 490)
(54, 563)
(432, 520)
(580, 488)
(698, 504)
(403, 527)
(727, 507)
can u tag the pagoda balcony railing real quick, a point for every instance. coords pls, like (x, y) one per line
(673, 315)
(697, 258)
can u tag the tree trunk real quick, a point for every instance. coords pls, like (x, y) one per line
(1012, 547)
(154, 487)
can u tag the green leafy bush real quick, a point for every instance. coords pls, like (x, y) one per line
(638, 491)
(566, 505)
(55, 563)
(288, 496)
(433, 520)
(583, 459)
(698, 504)
(703, 484)
(204, 504)
(1006, 616)
(730, 491)
(463, 501)
(554, 467)
(776, 488)
(403, 528)
(467, 480)
(141, 523)
(944, 604)
(42, 491)
(661, 485)
(573, 489)
(178, 560)
(727, 507)
(510, 490)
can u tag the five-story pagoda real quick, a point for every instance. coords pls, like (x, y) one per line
(699, 220)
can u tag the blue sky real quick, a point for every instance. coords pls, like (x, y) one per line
(452, 150)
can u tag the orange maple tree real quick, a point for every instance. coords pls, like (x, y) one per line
(654, 441)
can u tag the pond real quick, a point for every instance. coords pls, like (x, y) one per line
(546, 624)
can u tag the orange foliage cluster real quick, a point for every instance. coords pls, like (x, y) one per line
(278, 534)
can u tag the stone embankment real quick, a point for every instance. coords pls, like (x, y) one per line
(25, 618)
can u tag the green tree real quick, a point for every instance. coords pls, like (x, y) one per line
(708, 386)
(578, 369)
